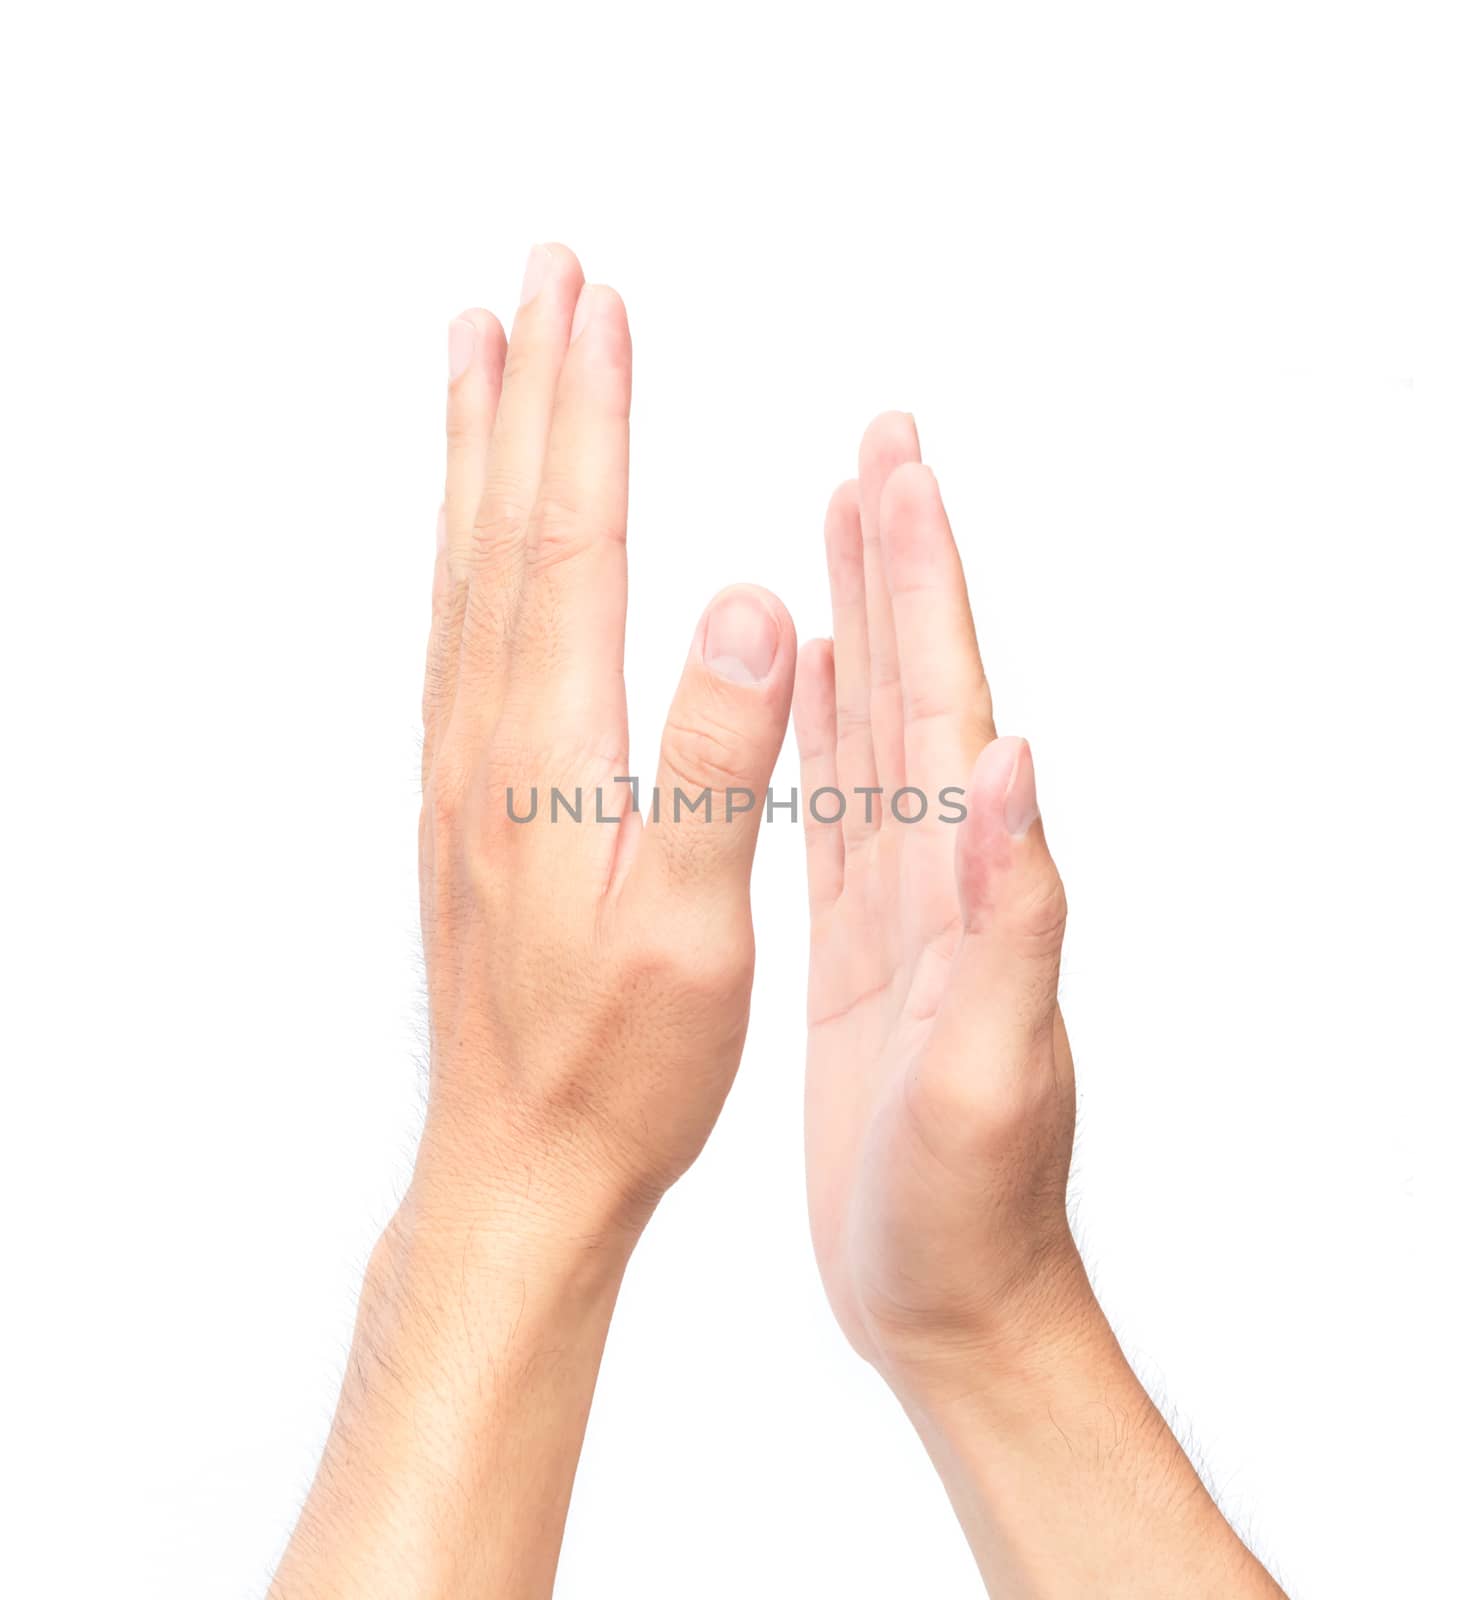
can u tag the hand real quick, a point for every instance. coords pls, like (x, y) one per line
(588, 980)
(940, 1086)
(940, 1097)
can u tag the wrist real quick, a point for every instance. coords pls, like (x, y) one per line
(478, 1338)
(1047, 1430)
(470, 1278)
(993, 1350)
(1038, 1434)
(555, 1190)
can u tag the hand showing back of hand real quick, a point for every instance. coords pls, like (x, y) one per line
(589, 979)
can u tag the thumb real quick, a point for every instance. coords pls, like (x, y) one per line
(1005, 979)
(721, 739)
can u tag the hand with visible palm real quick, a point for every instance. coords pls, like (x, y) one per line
(940, 1097)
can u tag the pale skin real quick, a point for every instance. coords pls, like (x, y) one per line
(589, 989)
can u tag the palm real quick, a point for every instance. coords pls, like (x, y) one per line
(897, 700)
(869, 1019)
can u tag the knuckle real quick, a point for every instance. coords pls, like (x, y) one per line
(486, 624)
(981, 706)
(444, 795)
(564, 526)
(436, 683)
(1043, 912)
(465, 425)
(707, 754)
(700, 969)
(884, 667)
(557, 533)
(449, 600)
(979, 1110)
(926, 702)
(852, 716)
(502, 509)
(526, 362)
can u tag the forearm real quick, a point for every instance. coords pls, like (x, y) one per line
(587, 987)
(1066, 1479)
(450, 1461)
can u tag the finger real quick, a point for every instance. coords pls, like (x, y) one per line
(889, 441)
(448, 597)
(475, 374)
(815, 728)
(854, 748)
(946, 708)
(721, 740)
(516, 448)
(1004, 980)
(569, 642)
(476, 347)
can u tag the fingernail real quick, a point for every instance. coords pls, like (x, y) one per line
(535, 272)
(582, 312)
(741, 639)
(442, 526)
(1020, 804)
(462, 342)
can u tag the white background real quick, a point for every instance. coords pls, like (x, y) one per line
(1175, 295)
